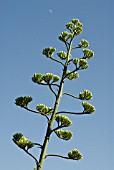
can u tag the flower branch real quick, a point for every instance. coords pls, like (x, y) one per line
(34, 111)
(57, 61)
(71, 95)
(75, 47)
(52, 90)
(40, 146)
(37, 163)
(60, 156)
(47, 84)
(74, 113)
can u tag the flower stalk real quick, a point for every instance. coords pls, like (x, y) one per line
(49, 79)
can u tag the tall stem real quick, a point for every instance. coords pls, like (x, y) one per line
(51, 121)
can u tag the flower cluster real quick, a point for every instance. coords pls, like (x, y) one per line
(75, 61)
(88, 53)
(83, 64)
(88, 108)
(85, 95)
(37, 78)
(40, 78)
(72, 75)
(75, 154)
(62, 55)
(44, 109)
(64, 134)
(48, 52)
(83, 44)
(64, 36)
(64, 121)
(75, 27)
(23, 101)
(80, 63)
(21, 141)
(50, 77)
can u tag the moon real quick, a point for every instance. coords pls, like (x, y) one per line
(50, 10)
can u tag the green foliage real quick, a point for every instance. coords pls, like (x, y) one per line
(44, 109)
(75, 154)
(88, 108)
(85, 95)
(63, 121)
(23, 101)
(64, 134)
(21, 141)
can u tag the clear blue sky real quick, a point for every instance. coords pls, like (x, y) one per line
(26, 27)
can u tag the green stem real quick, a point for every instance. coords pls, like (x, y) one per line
(51, 121)
(49, 128)
(71, 95)
(60, 156)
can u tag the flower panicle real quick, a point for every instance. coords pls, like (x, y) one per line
(75, 154)
(47, 78)
(64, 134)
(23, 101)
(21, 141)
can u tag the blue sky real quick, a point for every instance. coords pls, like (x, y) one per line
(28, 26)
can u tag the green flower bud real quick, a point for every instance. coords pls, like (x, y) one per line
(75, 154)
(63, 36)
(76, 61)
(62, 55)
(44, 109)
(77, 31)
(29, 145)
(78, 27)
(88, 108)
(85, 95)
(37, 78)
(47, 77)
(23, 101)
(83, 43)
(83, 64)
(21, 141)
(56, 78)
(63, 120)
(48, 52)
(70, 35)
(72, 76)
(40, 107)
(75, 27)
(70, 26)
(64, 134)
(75, 21)
(88, 53)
